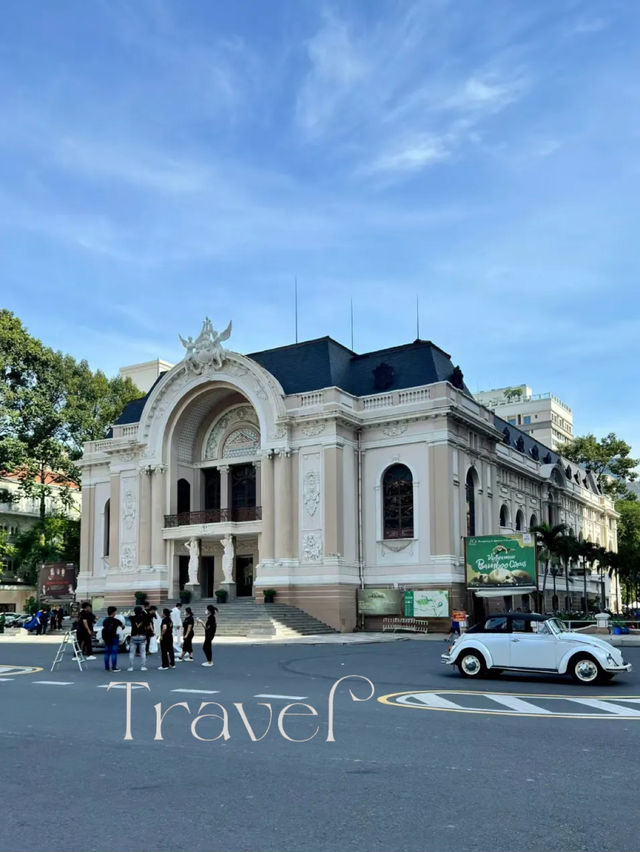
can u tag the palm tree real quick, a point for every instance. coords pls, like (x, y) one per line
(613, 564)
(567, 548)
(547, 537)
(588, 553)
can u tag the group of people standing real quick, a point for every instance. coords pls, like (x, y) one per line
(45, 618)
(173, 634)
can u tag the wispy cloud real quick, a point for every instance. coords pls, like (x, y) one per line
(392, 87)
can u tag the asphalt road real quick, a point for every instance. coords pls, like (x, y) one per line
(418, 776)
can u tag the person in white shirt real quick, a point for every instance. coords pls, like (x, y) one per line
(176, 620)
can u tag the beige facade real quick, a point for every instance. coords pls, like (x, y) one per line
(144, 375)
(318, 521)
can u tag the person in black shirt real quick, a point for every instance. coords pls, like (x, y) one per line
(209, 633)
(139, 627)
(84, 631)
(166, 641)
(111, 639)
(187, 639)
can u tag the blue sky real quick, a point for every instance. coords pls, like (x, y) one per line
(163, 161)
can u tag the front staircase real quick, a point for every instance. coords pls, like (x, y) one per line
(245, 617)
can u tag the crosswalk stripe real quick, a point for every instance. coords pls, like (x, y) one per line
(55, 682)
(516, 704)
(119, 685)
(429, 699)
(606, 706)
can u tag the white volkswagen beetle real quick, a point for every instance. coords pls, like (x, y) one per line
(528, 642)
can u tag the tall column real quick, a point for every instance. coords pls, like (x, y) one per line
(86, 557)
(268, 513)
(144, 514)
(282, 489)
(158, 548)
(257, 466)
(334, 501)
(114, 532)
(225, 491)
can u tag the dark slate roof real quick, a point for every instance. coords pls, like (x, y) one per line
(132, 412)
(321, 363)
(529, 445)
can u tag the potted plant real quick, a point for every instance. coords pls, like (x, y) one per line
(222, 595)
(269, 595)
(185, 596)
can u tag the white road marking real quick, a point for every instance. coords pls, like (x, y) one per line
(5, 679)
(429, 699)
(198, 691)
(607, 706)
(515, 703)
(284, 697)
(518, 704)
(120, 685)
(55, 682)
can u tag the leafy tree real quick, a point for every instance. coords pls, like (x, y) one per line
(608, 459)
(628, 567)
(568, 549)
(513, 394)
(58, 540)
(6, 549)
(49, 405)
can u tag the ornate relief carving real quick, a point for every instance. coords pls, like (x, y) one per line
(128, 558)
(206, 350)
(279, 432)
(241, 413)
(129, 509)
(236, 370)
(395, 428)
(312, 428)
(128, 454)
(241, 442)
(398, 546)
(312, 547)
(311, 492)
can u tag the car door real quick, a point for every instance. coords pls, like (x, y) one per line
(529, 649)
(495, 638)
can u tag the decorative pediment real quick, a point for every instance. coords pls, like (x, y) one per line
(225, 440)
(241, 442)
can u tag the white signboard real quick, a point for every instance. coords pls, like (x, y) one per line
(431, 603)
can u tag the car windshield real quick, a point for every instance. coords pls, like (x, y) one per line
(554, 625)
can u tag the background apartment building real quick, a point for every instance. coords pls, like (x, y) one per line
(543, 416)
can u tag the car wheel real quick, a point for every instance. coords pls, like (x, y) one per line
(585, 670)
(471, 664)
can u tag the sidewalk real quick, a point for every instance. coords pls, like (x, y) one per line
(319, 639)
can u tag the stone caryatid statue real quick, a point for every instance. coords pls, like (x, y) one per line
(193, 546)
(227, 559)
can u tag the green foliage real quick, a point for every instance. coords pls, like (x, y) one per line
(50, 405)
(57, 540)
(31, 605)
(6, 550)
(513, 394)
(608, 459)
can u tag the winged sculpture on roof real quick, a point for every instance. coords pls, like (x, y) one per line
(206, 350)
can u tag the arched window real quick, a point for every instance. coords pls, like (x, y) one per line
(533, 522)
(184, 496)
(397, 502)
(470, 494)
(107, 528)
(519, 520)
(504, 516)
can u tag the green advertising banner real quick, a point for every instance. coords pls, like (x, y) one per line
(500, 561)
(426, 603)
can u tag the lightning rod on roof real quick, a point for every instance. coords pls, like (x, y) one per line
(296, 304)
(417, 318)
(352, 324)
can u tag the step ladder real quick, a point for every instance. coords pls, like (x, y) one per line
(69, 640)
